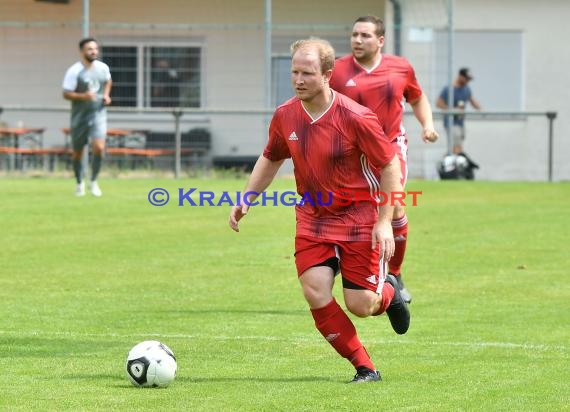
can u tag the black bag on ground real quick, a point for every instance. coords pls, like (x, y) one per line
(457, 167)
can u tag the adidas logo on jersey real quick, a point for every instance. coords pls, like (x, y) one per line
(350, 83)
(371, 279)
(293, 136)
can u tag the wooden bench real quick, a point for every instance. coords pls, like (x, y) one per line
(195, 144)
(34, 157)
(135, 156)
(123, 146)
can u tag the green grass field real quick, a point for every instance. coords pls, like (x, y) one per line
(82, 280)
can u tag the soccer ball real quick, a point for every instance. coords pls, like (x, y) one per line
(151, 364)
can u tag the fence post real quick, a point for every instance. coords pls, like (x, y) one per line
(551, 116)
(177, 142)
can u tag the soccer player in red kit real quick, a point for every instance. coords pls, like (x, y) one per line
(382, 82)
(336, 146)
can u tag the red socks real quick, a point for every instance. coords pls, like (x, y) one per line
(400, 230)
(339, 331)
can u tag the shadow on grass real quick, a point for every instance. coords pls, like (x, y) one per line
(118, 381)
(23, 347)
(238, 312)
(190, 379)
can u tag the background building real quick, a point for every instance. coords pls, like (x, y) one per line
(214, 56)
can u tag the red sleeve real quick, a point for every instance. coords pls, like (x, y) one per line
(276, 148)
(413, 90)
(372, 140)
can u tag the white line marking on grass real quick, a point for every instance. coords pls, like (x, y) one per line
(298, 339)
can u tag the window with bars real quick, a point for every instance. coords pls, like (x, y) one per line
(282, 89)
(154, 76)
(281, 79)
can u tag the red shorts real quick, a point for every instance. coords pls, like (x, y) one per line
(359, 264)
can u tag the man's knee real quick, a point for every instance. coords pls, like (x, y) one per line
(76, 154)
(317, 284)
(98, 146)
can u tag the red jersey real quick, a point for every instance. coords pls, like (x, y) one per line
(332, 158)
(381, 89)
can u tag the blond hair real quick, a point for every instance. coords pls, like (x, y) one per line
(324, 48)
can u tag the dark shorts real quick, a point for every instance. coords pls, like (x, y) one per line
(82, 131)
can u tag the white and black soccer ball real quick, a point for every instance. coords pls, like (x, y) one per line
(151, 364)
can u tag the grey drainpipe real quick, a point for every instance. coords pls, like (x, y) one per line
(397, 27)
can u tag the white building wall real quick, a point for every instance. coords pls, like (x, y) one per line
(545, 78)
(506, 149)
(33, 59)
